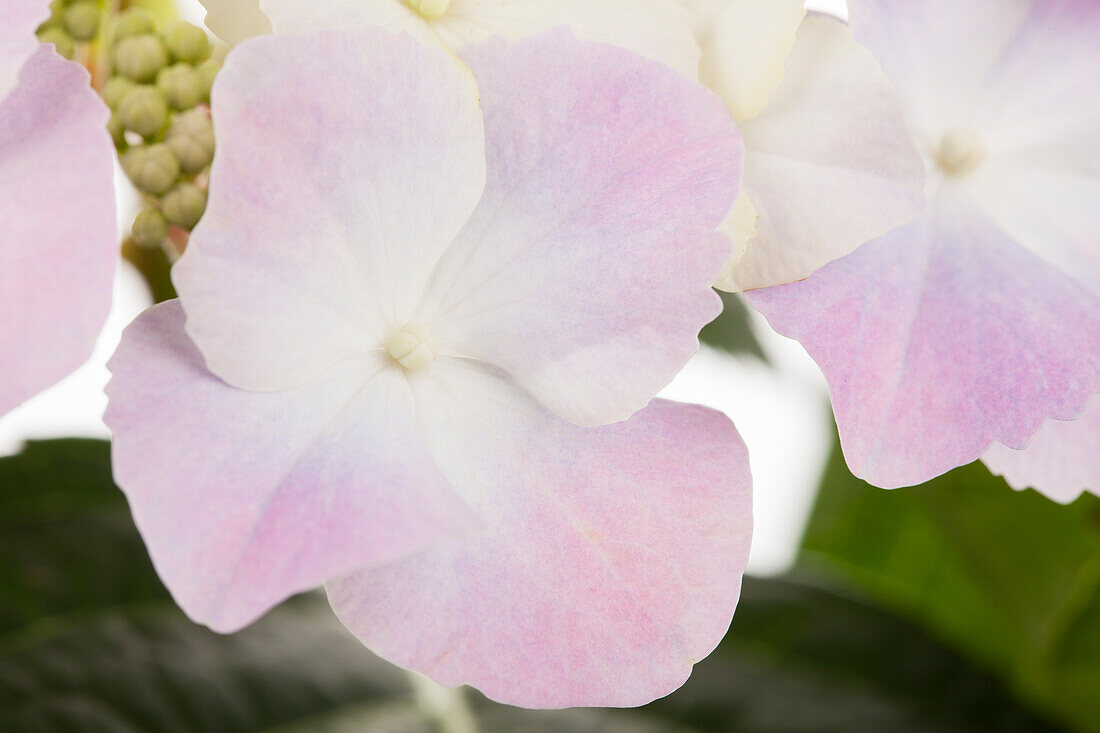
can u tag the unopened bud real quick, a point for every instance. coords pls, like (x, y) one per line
(180, 85)
(150, 228)
(207, 70)
(143, 110)
(191, 139)
(184, 205)
(134, 21)
(115, 89)
(152, 168)
(187, 43)
(62, 42)
(82, 20)
(140, 57)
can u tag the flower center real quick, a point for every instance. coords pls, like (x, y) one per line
(414, 346)
(960, 151)
(429, 8)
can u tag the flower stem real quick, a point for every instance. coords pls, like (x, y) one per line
(446, 707)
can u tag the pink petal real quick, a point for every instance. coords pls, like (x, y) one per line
(18, 21)
(610, 561)
(58, 236)
(1062, 460)
(246, 498)
(940, 338)
(585, 271)
(347, 162)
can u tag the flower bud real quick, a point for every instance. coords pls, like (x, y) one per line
(191, 139)
(61, 40)
(152, 168)
(184, 205)
(115, 89)
(134, 21)
(82, 20)
(140, 57)
(187, 43)
(429, 8)
(143, 110)
(181, 86)
(150, 228)
(207, 70)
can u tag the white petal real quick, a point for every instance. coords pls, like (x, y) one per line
(347, 163)
(18, 21)
(745, 44)
(235, 20)
(830, 163)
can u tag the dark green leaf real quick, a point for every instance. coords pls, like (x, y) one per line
(91, 642)
(732, 331)
(1011, 578)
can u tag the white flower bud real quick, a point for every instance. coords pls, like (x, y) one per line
(184, 205)
(152, 168)
(191, 139)
(150, 228)
(187, 43)
(82, 20)
(181, 86)
(134, 21)
(143, 110)
(140, 57)
(413, 347)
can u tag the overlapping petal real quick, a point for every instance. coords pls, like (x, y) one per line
(18, 21)
(658, 29)
(608, 565)
(58, 234)
(347, 163)
(585, 270)
(235, 20)
(940, 338)
(745, 44)
(1062, 460)
(830, 163)
(245, 498)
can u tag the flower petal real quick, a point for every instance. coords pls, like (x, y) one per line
(58, 233)
(1062, 460)
(18, 21)
(235, 20)
(745, 44)
(246, 498)
(830, 163)
(585, 271)
(658, 29)
(610, 561)
(347, 162)
(940, 338)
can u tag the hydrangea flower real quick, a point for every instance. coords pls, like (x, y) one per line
(658, 29)
(829, 161)
(979, 320)
(393, 319)
(58, 234)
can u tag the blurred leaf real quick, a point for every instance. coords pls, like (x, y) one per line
(1011, 578)
(732, 331)
(90, 641)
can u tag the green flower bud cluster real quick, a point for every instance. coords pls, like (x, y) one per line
(159, 94)
(72, 24)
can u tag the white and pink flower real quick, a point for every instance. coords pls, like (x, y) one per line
(981, 319)
(412, 359)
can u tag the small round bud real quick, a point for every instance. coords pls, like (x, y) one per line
(191, 139)
(184, 205)
(152, 168)
(150, 228)
(140, 57)
(187, 43)
(115, 89)
(143, 110)
(117, 130)
(181, 86)
(429, 8)
(134, 21)
(207, 70)
(61, 40)
(82, 20)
